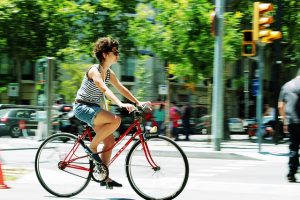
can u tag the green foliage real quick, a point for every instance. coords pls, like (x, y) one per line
(72, 79)
(142, 78)
(30, 29)
(291, 32)
(3, 89)
(179, 32)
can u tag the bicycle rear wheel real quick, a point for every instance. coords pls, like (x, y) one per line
(163, 182)
(59, 179)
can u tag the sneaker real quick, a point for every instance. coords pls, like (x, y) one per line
(291, 178)
(110, 185)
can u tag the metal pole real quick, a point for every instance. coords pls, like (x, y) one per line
(259, 97)
(217, 107)
(49, 92)
(276, 68)
(246, 88)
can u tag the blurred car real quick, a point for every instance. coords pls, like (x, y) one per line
(236, 125)
(202, 125)
(247, 123)
(10, 119)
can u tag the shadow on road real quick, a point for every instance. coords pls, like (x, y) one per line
(274, 154)
(89, 198)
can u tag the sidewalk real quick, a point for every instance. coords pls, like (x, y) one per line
(199, 146)
(238, 148)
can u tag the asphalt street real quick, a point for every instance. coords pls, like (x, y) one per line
(236, 172)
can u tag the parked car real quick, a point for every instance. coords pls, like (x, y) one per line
(236, 125)
(10, 119)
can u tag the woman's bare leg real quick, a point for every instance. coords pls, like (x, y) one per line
(105, 123)
(108, 143)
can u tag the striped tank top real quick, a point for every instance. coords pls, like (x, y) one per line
(88, 91)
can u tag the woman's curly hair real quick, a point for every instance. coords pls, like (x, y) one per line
(104, 45)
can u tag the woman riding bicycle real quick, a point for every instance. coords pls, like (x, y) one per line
(87, 103)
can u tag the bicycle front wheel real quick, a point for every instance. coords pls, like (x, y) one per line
(165, 177)
(59, 166)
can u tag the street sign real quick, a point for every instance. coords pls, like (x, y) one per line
(255, 85)
(13, 89)
(163, 89)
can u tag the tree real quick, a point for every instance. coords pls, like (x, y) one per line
(291, 31)
(30, 29)
(178, 31)
(72, 79)
(63, 29)
(142, 79)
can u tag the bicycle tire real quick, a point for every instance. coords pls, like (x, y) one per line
(167, 182)
(67, 182)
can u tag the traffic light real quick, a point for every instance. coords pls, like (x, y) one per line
(248, 45)
(262, 20)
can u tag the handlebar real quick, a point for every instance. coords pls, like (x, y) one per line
(141, 110)
(138, 112)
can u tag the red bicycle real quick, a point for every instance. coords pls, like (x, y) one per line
(156, 167)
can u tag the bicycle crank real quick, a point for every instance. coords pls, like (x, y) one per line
(100, 172)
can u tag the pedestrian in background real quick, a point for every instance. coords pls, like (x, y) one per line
(159, 115)
(269, 120)
(291, 121)
(174, 118)
(186, 116)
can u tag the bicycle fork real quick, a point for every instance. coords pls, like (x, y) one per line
(147, 152)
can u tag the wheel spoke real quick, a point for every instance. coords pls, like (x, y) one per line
(59, 179)
(172, 174)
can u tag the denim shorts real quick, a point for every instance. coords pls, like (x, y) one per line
(86, 113)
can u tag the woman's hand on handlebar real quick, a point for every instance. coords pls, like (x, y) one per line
(144, 104)
(128, 107)
(131, 107)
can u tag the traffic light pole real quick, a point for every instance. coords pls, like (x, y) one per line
(259, 98)
(246, 88)
(49, 93)
(217, 107)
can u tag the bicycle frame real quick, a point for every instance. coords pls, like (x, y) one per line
(69, 159)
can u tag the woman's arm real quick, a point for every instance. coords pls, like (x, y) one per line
(122, 89)
(281, 111)
(95, 75)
